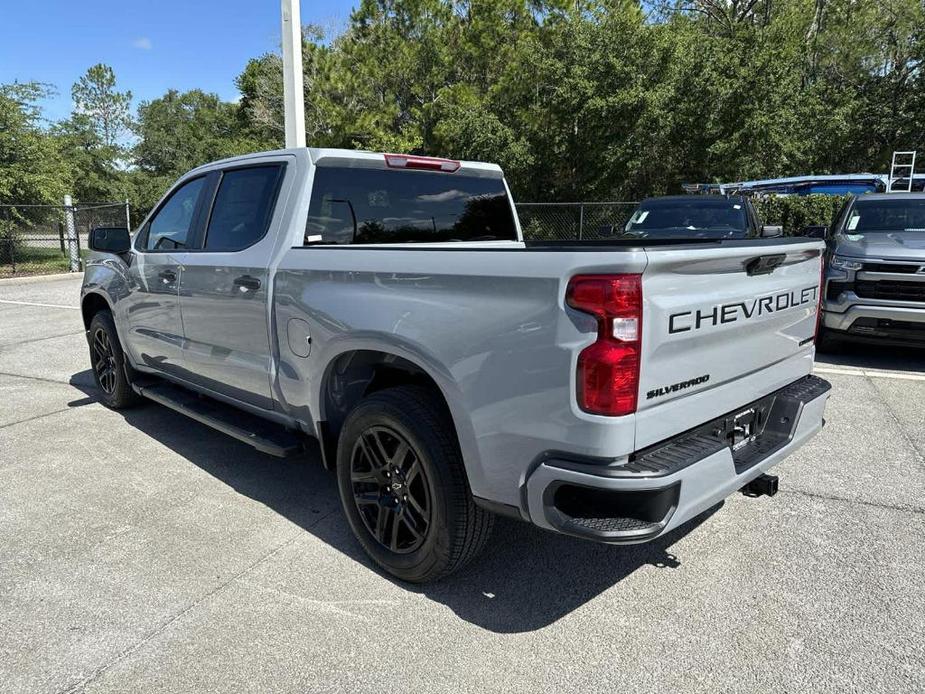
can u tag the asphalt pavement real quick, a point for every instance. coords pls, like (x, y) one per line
(141, 551)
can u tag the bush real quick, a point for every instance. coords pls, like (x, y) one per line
(11, 242)
(793, 212)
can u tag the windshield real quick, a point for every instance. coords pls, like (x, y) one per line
(694, 217)
(872, 216)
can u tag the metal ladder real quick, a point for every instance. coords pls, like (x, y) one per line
(901, 169)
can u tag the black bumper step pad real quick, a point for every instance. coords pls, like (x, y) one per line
(776, 417)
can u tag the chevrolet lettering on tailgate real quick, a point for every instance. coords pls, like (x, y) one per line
(741, 310)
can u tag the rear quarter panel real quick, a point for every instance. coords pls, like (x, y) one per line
(489, 326)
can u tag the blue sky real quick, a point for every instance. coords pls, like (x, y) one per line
(153, 45)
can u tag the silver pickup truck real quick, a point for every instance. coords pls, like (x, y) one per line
(387, 306)
(875, 280)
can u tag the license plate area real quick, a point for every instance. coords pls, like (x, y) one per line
(743, 428)
(750, 433)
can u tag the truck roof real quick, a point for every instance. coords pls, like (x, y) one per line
(693, 198)
(892, 196)
(357, 157)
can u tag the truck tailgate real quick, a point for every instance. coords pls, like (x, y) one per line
(714, 320)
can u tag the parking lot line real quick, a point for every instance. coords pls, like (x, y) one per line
(870, 373)
(30, 303)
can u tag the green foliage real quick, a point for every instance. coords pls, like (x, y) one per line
(32, 170)
(178, 132)
(605, 99)
(577, 100)
(793, 212)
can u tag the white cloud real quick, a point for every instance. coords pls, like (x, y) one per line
(143, 43)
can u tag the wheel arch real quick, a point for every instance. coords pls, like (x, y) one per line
(91, 304)
(355, 373)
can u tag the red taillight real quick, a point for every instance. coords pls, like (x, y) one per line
(407, 161)
(608, 370)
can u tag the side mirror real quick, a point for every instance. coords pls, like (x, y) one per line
(815, 231)
(110, 240)
(769, 232)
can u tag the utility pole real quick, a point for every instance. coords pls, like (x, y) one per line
(293, 97)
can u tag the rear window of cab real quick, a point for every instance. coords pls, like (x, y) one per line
(376, 206)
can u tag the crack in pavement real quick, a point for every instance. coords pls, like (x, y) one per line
(902, 429)
(42, 379)
(38, 416)
(122, 655)
(862, 502)
(8, 345)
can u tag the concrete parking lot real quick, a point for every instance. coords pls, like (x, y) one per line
(141, 551)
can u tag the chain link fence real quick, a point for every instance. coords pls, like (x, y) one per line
(45, 239)
(570, 221)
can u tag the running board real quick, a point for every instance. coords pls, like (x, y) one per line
(263, 435)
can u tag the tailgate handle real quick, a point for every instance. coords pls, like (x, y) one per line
(764, 264)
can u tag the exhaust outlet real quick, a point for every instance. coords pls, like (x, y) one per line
(763, 485)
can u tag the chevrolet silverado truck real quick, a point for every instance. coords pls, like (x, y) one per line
(388, 307)
(875, 279)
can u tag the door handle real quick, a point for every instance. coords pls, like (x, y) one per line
(167, 276)
(246, 282)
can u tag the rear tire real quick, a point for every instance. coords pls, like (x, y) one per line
(403, 486)
(108, 363)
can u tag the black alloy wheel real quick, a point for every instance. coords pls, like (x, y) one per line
(104, 361)
(390, 489)
(110, 370)
(403, 485)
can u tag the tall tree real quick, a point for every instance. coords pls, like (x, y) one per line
(104, 109)
(261, 87)
(94, 135)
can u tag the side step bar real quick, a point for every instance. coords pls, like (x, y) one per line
(263, 435)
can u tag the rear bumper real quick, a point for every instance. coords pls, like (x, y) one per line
(673, 481)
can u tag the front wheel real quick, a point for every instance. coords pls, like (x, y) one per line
(108, 362)
(403, 486)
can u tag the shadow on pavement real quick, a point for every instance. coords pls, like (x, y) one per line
(525, 580)
(873, 356)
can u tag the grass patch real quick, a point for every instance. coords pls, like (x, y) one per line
(36, 261)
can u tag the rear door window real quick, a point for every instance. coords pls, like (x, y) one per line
(243, 207)
(370, 206)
